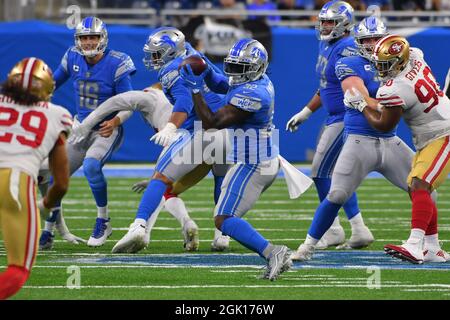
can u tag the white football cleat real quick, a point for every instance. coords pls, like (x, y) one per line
(333, 237)
(435, 255)
(102, 231)
(133, 241)
(190, 234)
(303, 253)
(221, 243)
(411, 252)
(360, 238)
(278, 262)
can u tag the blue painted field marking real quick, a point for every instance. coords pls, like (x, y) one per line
(321, 260)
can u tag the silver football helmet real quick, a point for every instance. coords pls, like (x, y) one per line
(163, 45)
(91, 26)
(246, 61)
(341, 13)
(369, 28)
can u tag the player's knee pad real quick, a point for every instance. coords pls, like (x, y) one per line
(338, 196)
(93, 171)
(12, 280)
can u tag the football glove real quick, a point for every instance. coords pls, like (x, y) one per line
(297, 119)
(355, 100)
(79, 132)
(166, 135)
(64, 232)
(140, 186)
(193, 82)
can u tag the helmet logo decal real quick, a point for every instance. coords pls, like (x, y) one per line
(395, 48)
(166, 39)
(255, 53)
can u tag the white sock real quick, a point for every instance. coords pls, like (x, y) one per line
(102, 212)
(432, 242)
(142, 222)
(151, 221)
(217, 233)
(49, 226)
(416, 236)
(310, 240)
(357, 221)
(336, 223)
(176, 208)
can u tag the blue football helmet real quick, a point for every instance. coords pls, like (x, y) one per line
(95, 27)
(341, 13)
(246, 61)
(368, 28)
(163, 45)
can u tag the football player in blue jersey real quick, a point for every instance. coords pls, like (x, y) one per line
(164, 51)
(365, 149)
(335, 23)
(98, 73)
(248, 108)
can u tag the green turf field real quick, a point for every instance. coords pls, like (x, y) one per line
(165, 271)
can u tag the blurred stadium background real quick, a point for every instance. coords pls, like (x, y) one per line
(286, 27)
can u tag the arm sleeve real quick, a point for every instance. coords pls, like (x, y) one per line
(249, 102)
(217, 82)
(62, 72)
(121, 102)
(124, 85)
(183, 97)
(60, 76)
(124, 116)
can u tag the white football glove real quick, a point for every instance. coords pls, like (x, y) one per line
(71, 238)
(297, 119)
(79, 133)
(140, 186)
(64, 232)
(166, 135)
(354, 99)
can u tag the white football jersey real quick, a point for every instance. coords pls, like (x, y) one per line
(29, 133)
(152, 103)
(426, 109)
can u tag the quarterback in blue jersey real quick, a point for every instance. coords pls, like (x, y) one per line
(365, 149)
(248, 107)
(335, 22)
(98, 73)
(164, 51)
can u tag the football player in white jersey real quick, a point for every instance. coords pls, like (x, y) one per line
(31, 129)
(447, 84)
(155, 109)
(410, 90)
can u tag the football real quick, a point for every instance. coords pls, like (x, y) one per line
(197, 64)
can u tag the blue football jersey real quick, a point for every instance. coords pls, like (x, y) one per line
(94, 84)
(257, 97)
(331, 94)
(354, 121)
(179, 94)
